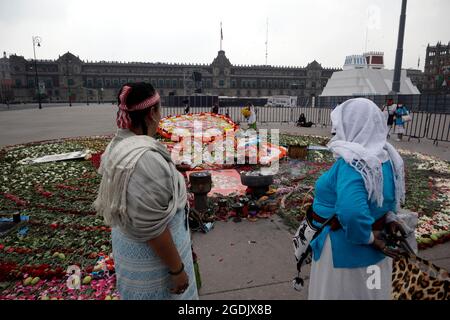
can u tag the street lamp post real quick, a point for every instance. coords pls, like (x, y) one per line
(37, 41)
(68, 80)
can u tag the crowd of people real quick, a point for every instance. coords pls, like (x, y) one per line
(143, 198)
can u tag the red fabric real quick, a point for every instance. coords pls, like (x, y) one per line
(123, 117)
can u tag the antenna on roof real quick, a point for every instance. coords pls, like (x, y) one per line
(267, 37)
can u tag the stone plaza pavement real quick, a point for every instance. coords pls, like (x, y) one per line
(237, 260)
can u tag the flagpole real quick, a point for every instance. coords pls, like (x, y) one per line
(221, 38)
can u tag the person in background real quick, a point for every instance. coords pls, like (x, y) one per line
(252, 118)
(301, 122)
(143, 198)
(186, 106)
(389, 112)
(215, 108)
(400, 112)
(359, 192)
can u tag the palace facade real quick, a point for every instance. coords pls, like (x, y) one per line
(69, 77)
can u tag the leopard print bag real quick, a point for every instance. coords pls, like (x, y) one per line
(414, 278)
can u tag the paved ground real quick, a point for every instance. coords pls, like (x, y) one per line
(237, 260)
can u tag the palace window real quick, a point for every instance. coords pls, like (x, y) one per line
(167, 83)
(174, 83)
(221, 83)
(160, 83)
(233, 83)
(263, 84)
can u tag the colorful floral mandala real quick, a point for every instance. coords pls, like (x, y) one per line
(175, 127)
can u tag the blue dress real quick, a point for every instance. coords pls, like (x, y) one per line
(399, 112)
(341, 190)
(141, 275)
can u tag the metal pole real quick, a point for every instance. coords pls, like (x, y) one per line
(38, 41)
(184, 82)
(68, 82)
(399, 55)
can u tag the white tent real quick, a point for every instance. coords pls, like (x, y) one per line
(366, 82)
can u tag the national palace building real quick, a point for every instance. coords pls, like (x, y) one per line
(69, 76)
(100, 81)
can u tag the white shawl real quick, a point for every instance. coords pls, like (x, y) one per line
(117, 166)
(360, 139)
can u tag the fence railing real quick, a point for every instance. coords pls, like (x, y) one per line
(434, 103)
(424, 125)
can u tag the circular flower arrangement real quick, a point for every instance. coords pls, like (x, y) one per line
(211, 126)
(63, 231)
(175, 127)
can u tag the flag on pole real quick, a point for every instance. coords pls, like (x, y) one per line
(221, 33)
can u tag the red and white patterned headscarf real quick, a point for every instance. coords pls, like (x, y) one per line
(123, 117)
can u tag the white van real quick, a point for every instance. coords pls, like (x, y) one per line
(281, 101)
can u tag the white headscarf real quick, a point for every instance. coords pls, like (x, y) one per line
(360, 139)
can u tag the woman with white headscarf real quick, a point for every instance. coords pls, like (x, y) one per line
(365, 183)
(143, 197)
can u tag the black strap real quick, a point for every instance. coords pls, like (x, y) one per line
(309, 213)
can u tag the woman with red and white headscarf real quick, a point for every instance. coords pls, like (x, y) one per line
(143, 197)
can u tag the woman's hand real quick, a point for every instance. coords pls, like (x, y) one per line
(379, 242)
(181, 283)
(397, 229)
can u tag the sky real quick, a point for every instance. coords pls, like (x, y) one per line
(188, 31)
